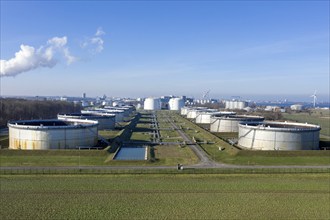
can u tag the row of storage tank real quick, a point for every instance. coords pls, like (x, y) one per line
(68, 131)
(256, 133)
(155, 104)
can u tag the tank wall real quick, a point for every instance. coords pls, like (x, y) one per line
(192, 114)
(152, 104)
(235, 104)
(184, 111)
(176, 104)
(44, 139)
(228, 124)
(203, 119)
(221, 125)
(263, 139)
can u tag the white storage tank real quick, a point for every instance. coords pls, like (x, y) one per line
(106, 121)
(176, 104)
(52, 134)
(127, 110)
(235, 104)
(205, 116)
(194, 112)
(184, 110)
(152, 104)
(230, 123)
(119, 114)
(278, 136)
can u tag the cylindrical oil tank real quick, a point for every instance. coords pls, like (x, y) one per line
(106, 121)
(184, 110)
(127, 110)
(235, 104)
(230, 123)
(52, 134)
(278, 136)
(193, 112)
(119, 114)
(176, 104)
(205, 116)
(152, 104)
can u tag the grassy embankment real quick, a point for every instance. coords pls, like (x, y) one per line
(235, 196)
(230, 154)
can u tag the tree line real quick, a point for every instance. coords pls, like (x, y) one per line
(21, 109)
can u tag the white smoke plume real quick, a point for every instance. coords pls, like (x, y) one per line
(94, 44)
(29, 58)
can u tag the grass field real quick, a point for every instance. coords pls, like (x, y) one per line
(52, 157)
(174, 154)
(239, 196)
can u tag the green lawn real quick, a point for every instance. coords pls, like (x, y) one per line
(239, 196)
(52, 157)
(167, 155)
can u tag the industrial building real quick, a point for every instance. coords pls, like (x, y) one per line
(106, 121)
(230, 123)
(52, 134)
(271, 135)
(152, 104)
(296, 107)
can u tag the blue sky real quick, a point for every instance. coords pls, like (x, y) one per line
(277, 49)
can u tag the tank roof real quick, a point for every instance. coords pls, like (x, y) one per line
(52, 124)
(41, 123)
(87, 115)
(239, 117)
(284, 126)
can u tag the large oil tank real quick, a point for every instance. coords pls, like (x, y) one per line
(127, 109)
(176, 104)
(152, 104)
(184, 110)
(106, 121)
(52, 134)
(205, 117)
(194, 112)
(272, 135)
(119, 114)
(230, 123)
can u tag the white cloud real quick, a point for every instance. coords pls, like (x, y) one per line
(99, 32)
(28, 58)
(94, 44)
